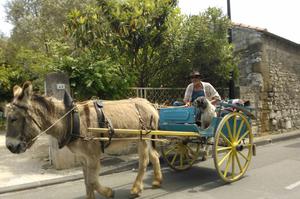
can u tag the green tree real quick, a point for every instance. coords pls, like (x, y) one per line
(134, 33)
(36, 22)
(204, 47)
(18, 65)
(90, 75)
(107, 46)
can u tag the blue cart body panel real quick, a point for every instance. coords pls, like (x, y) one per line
(184, 119)
(178, 119)
(177, 115)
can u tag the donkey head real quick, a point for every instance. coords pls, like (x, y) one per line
(21, 126)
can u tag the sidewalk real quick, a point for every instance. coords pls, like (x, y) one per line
(33, 169)
(28, 170)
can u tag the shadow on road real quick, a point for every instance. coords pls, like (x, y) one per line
(197, 179)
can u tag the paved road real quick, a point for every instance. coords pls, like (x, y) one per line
(274, 174)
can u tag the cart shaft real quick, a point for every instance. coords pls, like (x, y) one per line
(143, 132)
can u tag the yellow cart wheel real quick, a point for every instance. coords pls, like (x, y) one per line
(233, 145)
(180, 154)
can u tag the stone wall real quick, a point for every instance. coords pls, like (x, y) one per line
(248, 47)
(269, 77)
(282, 59)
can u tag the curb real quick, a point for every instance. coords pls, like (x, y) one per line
(259, 141)
(129, 165)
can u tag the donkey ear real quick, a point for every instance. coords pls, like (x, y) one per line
(26, 91)
(17, 90)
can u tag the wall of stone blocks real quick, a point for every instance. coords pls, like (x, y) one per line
(283, 98)
(270, 78)
(248, 47)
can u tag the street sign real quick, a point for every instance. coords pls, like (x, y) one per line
(60, 86)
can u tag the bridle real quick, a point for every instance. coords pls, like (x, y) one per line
(38, 125)
(73, 132)
(26, 111)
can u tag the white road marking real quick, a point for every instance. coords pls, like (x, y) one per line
(292, 186)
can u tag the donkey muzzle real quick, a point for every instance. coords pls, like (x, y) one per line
(15, 146)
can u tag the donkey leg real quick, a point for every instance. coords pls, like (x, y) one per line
(154, 159)
(88, 187)
(92, 180)
(143, 162)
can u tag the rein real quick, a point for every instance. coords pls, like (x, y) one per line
(43, 132)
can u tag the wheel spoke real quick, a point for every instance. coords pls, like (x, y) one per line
(243, 156)
(169, 150)
(227, 166)
(243, 136)
(239, 131)
(181, 160)
(234, 129)
(233, 164)
(191, 150)
(229, 130)
(224, 158)
(189, 160)
(224, 148)
(225, 138)
(174, 158)
(238, 161)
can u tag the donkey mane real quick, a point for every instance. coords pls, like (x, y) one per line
(44, 102)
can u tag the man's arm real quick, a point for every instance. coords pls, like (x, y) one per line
(214, 96)
(188, 94)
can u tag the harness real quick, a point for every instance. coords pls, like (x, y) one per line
(103, 123)
(73, 122)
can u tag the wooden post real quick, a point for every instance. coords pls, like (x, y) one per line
(55, 86)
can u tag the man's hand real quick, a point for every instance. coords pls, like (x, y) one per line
(188, 104)
(214, 101)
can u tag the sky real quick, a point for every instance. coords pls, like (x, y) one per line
(4, 26)
(277, 16)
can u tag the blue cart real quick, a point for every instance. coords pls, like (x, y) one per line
(229, 139)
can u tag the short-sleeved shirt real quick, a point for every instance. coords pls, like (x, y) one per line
(197, 94)
(209, 92)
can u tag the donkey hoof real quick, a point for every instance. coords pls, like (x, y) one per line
(135, 192)
(135, 195)
(156, 184)
(111, 195)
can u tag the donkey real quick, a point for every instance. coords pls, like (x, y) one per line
(30, 114)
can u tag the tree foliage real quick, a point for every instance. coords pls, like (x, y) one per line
(107, 46)
(134, 33)
(36, 22)
(203, 46)
(18, 65)
(90, 75)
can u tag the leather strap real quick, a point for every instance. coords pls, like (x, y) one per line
(73, 122)
(103, 123)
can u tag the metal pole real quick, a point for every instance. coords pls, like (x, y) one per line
(229, 17)
(228, 9)
(231, 80)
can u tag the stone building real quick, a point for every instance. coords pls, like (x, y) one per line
(269, 77)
